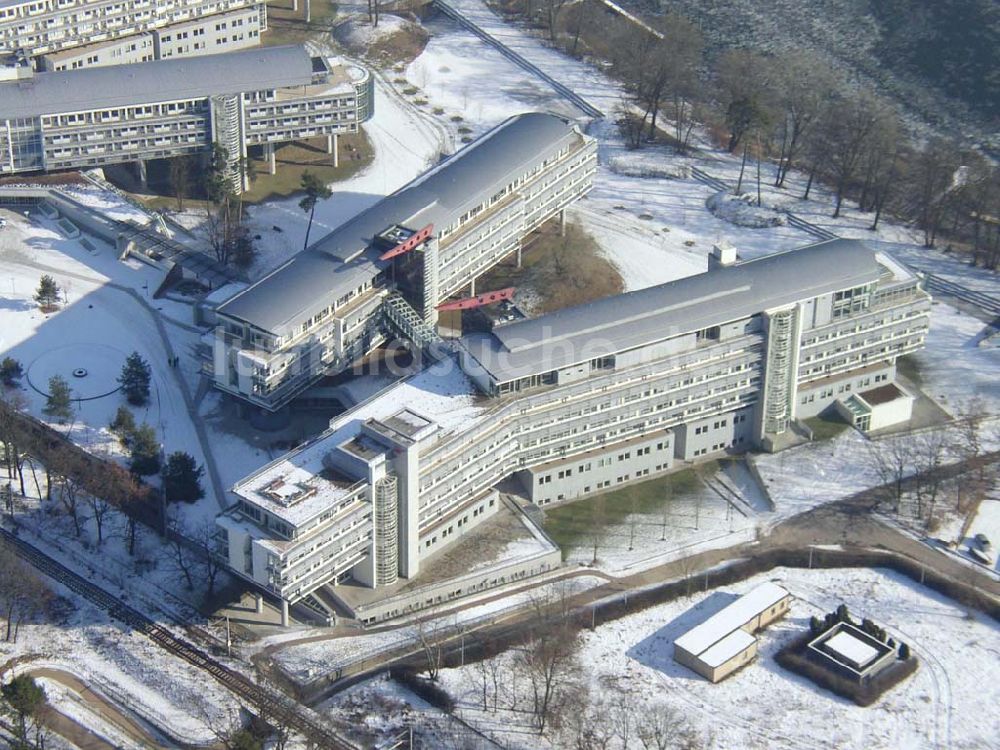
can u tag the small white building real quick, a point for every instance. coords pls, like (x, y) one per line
(878, 408)
(724, 642)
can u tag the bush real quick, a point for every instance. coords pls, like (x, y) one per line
(794, 658)
(123, 425)
(11, 372)
(429, 691)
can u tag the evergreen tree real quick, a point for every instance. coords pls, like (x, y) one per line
(134, 379)
(47, 294)
(11, 372)
(315, 190)
(244, 740)
(24, 699)
(123, 425)
(59, 403)
(181, 478)
(145, 451)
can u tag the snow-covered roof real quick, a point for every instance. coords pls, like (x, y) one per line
(157, 81)
(733, 644)
(733, 617)
(853, 649)
(298, 486)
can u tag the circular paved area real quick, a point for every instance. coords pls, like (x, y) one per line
(91, 370)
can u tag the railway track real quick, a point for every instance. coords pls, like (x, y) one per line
(290, 714)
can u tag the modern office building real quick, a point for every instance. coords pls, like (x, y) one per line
(44, 27)
(573, 403)
(389, 267)
(165, 108)
(227, 31)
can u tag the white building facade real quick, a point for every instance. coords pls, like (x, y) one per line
(228, 31)
(43, 27)
(167, 108)
(341, 298)
(588, 399)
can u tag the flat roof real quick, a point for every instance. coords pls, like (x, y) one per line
(155, 81)
(733, 644)
(884, 394)
(627, 321)
(733, 617)
(442, 391)
(853, 649)
(346, 257)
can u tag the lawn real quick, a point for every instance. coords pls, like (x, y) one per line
(826, 428)
(292, 159)
(558, 271)
(288, 27)
(572, 525)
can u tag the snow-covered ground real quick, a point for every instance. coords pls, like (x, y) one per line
(308, 660)
(943, 705)
(406, 143)
(125, 667)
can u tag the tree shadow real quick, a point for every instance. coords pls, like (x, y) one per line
(656, 650)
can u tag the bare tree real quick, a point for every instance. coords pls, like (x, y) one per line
(623, 717)
(892, 460)
(804, 85)
(745, 84)
(12, 438)
(180, 178)
(431, 635)
(597, 529)
(928, 454)
(549, 657)
(661, 727)
(849, 134)
(184, 559)
(23, 593)
(205, 537)
(932, 182)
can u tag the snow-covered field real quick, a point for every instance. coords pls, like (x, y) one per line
(943, 705)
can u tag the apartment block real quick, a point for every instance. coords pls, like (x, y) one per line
(385, 271)
(594, 397)
(165, 108)
(207, 35)
(43, 27)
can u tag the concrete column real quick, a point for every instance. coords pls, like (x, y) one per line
(518, 256)
(258, 603)
(562, 224)
(269, 150)
(295, 6)
(331, 148)
(284, 613)
(141, 166)
(472, 287)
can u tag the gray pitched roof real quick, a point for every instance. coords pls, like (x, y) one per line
(155, 81)
(617, 324)
(345, 258)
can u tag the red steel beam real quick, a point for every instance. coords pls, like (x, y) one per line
(487, 298)
(407, 245)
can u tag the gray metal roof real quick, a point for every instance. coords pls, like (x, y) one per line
(155, 81)
(617, 324)
(345, 258)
